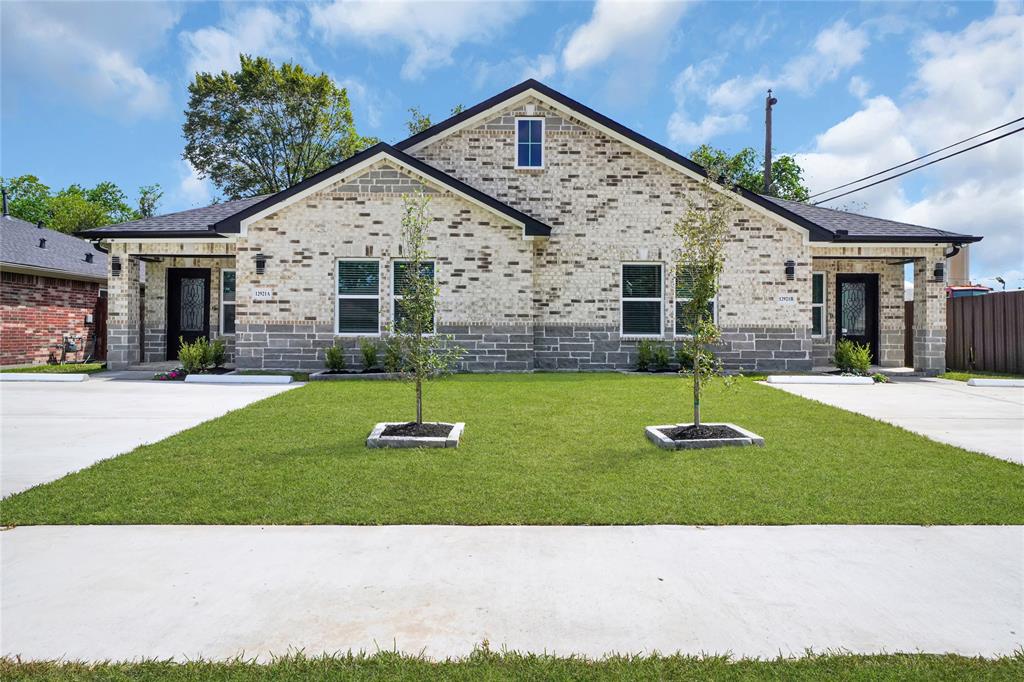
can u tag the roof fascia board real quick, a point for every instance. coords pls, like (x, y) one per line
(164, 238)
(50, 272)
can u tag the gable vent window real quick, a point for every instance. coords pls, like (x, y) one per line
(641, 299)
(529, 143)
(358, 297)
(684, 294)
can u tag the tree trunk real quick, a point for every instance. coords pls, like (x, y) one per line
(696, 387)
(419, 401)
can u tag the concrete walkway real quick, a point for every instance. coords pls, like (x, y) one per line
(118, 592)
(49, 430)
(986, 420)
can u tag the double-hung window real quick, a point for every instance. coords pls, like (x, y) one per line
(358, 297)
(817, 304)
(399, 288)
(227, 301)
(641, 299)
(529, 143)
(684, 294)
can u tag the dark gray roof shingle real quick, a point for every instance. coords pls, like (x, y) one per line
(865, 228)
(19, 245)
(192, 220)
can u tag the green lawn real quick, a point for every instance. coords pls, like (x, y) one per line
(490, 666)
(964, 376)
(538, 449)
(84, 368)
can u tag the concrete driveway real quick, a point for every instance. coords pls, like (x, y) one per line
(986, 420)
(117, 592)
(48, 430)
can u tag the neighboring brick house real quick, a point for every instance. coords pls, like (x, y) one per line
(552, 245)
(50, 285)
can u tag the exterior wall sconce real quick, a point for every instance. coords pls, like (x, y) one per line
(790, 270)
(115, 266)
(261, 263)
(939, 273)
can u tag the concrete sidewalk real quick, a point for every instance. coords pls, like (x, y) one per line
(99, 592)
(49, 430)
(986, 420)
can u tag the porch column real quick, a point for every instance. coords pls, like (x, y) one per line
(123, 320)
(929, 316)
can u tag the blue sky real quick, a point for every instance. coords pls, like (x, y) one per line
(94, 91)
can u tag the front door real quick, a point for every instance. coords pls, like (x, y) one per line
(188, 307)
(857, 310)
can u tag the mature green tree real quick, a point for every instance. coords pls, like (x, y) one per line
(75, 207)
(27, 198)
(149, 199)
(264, 127)
(418, 121)
(747, 166)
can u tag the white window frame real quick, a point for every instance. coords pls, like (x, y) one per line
(395, 298)
(622, 300)
(675, 321)
(543, 147)
(338, 297)
(233, 303)
(823, 305)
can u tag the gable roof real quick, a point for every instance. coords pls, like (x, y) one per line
(194, 222)
(821, 224)
(64, 253)
(863, 228)
(531, 226)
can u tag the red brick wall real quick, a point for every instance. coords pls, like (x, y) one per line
(36, 311)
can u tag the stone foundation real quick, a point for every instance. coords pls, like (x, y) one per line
(930, 351)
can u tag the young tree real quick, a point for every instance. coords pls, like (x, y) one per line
(425, 353)
(149, 199)
(418, 121)
(746, 168)
(264, 128)
(703, 231)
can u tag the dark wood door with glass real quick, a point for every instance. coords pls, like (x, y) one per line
(188, 307)
(857, 310)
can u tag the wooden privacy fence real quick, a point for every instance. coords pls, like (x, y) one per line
(986, 333)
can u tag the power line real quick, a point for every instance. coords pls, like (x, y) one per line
(923, 165)
(925, 156)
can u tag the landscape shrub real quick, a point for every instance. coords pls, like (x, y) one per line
(334, 357)
(662, 357)
(195, 356)
(369, 350)
(644, 355)
(392, 355)
(852, 357)
(217, 353)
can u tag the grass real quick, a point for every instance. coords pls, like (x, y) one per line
(296, 376)
(490, 666)
(538, 449)
(84, 368)
(964, 376)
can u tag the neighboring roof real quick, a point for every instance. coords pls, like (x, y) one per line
(820, 222)
(862, 228)
(64, 253)
(195, 222)
(531, 226)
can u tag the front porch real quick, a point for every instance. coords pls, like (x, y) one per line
(163, 292)
(858, 293)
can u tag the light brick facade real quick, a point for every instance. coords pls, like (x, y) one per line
(518, 304)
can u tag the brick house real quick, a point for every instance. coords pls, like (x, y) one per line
(50, 285)
(552, 246)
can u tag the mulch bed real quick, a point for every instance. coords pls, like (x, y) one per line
(702, 432)
(425, 430)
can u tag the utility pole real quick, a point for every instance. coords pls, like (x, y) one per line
(769, 102)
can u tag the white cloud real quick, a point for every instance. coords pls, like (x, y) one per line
(965, 82)
(430, 31)
(834, 50)
(363, 98)
(193, 189)
(618, 27)
(257, 31)
(515, 70)
(96, 52)
(858, 87)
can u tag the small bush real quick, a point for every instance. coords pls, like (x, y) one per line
(369, 350)
(195, 356)
(852, 357)
(880, 378)
(392, 355)
(217, 353)
(334, 357)
(644, 355)
(662, 357)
